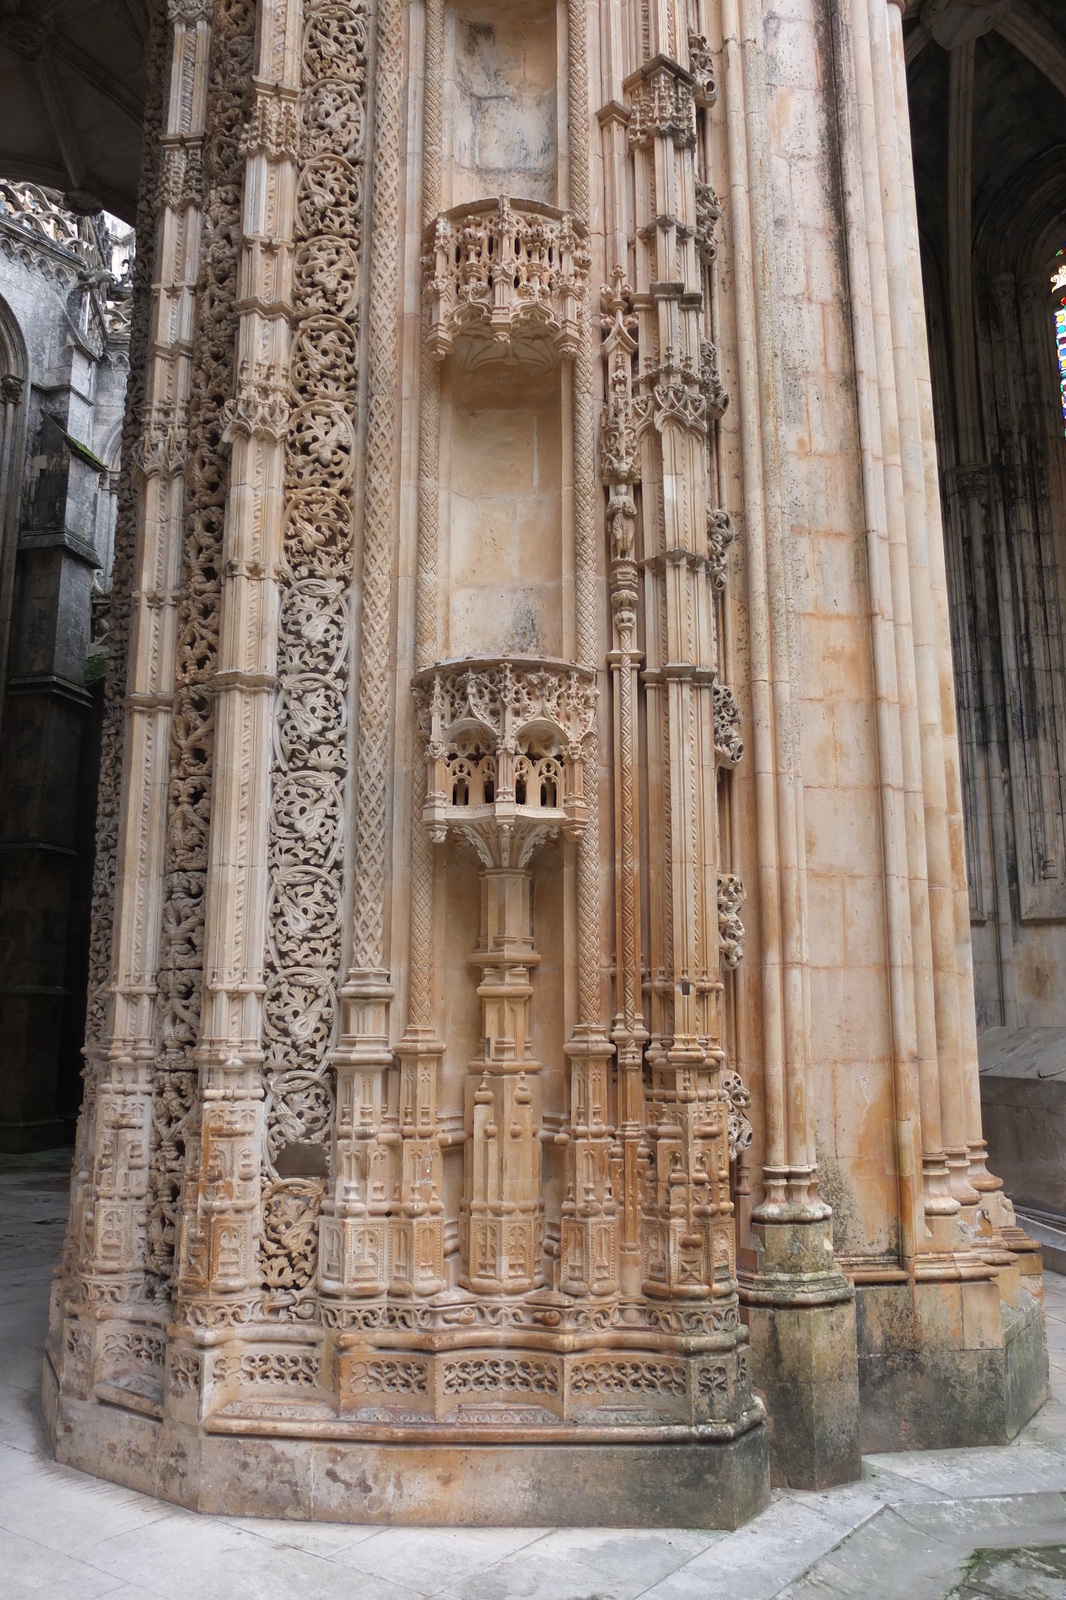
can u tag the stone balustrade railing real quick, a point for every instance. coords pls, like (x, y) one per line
(505, 278)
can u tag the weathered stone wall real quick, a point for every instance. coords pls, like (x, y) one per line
(65, 360)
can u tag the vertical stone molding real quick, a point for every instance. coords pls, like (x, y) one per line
(107, 1270)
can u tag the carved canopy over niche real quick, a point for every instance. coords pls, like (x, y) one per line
(506, 742)
(505, 280)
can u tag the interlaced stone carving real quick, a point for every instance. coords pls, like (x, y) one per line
(290, 1233)
(388, 1376)
(505, 277)
(628, 1377)
(184, 1370)
(514, 1375)
(730, 927)
(193, 730)
(727, 741)
(738, 1098)
(134, 1346)
(311, 709)
(371, 784)
(720, 535)
(708, 216)
(295, 1368)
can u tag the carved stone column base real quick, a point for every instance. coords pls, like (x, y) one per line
(606, 1477)
(800, 1312)
(949, 1364)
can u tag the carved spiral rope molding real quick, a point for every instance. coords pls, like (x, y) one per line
(381, 360)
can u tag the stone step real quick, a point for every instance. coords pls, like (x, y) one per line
(1049, 1232)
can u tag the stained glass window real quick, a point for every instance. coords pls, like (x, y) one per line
(1058, 290)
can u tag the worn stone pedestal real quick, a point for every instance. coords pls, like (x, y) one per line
(337, 1471)
(950, 1363)
(800, 1313)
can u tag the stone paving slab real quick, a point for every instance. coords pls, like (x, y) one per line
(919, 1525)
(927, 1549)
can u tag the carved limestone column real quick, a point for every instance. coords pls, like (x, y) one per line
(506, 757)
(219, 1278)
(355, 1244)
(418, 1231)
(118, 1148)
(687, 1225)
(948, 901)
(800, 1307)
(589, 1246)
(502, 1219)
(620, 470)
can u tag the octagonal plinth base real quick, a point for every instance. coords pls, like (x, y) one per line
(685, 1481)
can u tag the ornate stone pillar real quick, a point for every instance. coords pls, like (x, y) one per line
(355, 1263)
(219, 1278)
(620, 470)
(122, 1229)
(419, 1231)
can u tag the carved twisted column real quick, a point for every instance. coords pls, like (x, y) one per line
(589, 1243)
(418, 1232)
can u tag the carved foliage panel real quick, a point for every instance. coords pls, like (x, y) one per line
(309, 756)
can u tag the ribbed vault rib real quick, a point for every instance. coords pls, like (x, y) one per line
(1030, 34)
